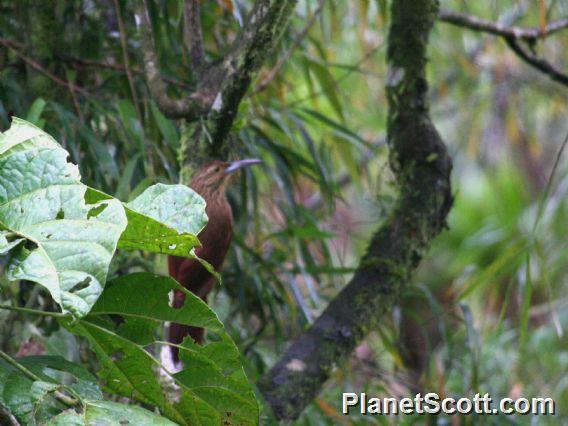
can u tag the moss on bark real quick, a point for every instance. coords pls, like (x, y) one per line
(422, 166)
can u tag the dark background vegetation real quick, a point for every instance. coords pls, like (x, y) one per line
(486, 309)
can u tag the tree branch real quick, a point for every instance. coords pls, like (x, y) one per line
(78, 63)
(231, 79)
(286, 57)
(12, 45)
(513, 36)
(540, 64)
(192, 106)
(498, 29)
(193, 34)
(422, 166)
(265, 24)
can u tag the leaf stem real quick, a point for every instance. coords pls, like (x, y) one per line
(19, 367)
(65, 399)
(34, 311)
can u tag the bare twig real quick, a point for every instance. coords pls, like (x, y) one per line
(286, 57)
(341, 78)
(8, 417)
(538, 63)
(71, 86)
(78, 62)
(193, 34)
(122, 34)
(542, 16)
(514, 36)
(499, 29)
(75, 101)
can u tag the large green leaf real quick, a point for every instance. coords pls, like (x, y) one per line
(62, 234)
(164, 219)
(147, 296)
(63, 242)
(29, 399)
(213, 386)
(109, 413)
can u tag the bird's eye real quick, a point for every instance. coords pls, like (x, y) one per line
(216, 169)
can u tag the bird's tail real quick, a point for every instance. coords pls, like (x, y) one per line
(178, 332)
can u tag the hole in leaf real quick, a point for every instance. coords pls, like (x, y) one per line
(95, 211)
(117, 319)
(60, 214)
(117, 356)
(81, 285)
(30, 245)
(176, 299)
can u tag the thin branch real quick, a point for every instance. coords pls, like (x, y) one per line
(148, 147)
(352, 69)
(498, 29)
(78, 62)
(71, 86)
(7, 416)
(514, 36)
(122, 36)
(542, 16)
(65, 399)
(76, 103)
(420, 161)
(538, 63)
(193, 34)
(192, 106)
(295, 44)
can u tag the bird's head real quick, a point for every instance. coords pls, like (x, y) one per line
(214, 176)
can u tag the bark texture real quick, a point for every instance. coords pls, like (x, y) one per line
(422, 166)
(210, 109)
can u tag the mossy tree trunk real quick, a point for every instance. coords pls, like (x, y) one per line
(210, 110)
(420, 161)
(418, 158)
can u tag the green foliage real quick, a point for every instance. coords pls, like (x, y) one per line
(213, 386)
(303, 219)
(62, 235)
(50, 390)
(59, 239)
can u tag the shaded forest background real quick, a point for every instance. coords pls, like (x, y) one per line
(485, 312)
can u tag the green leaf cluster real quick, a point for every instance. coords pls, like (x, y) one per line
(61, 234)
